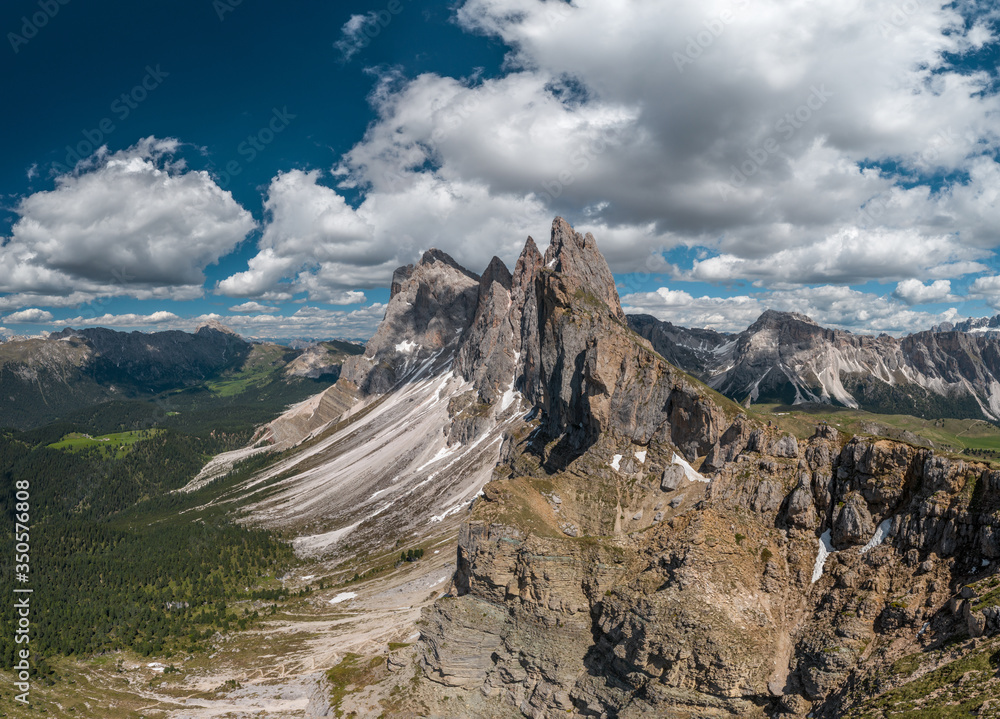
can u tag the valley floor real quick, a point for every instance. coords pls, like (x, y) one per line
(277, 670)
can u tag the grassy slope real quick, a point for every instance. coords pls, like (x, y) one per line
(117, 443)
(955, 436)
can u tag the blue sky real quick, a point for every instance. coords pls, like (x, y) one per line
(268, 164)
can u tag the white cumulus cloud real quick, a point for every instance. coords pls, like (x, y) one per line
(130, 223)
(122, 320)
(915, 292)
(33, 315)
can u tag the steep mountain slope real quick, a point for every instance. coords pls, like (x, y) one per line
(629, 542)
(411, 431)
(787, 358)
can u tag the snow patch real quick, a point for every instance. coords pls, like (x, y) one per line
(508, 396)
(406, 347)
(641, 456)
(616, 462)
(447, 513)
(343, 597)
(442, 453)
(825, 550)
(880, 534)
(690, 472)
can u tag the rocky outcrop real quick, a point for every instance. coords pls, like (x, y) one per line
(322, 359)
(596, 375)
(524, 320)
(487, 355)
(715, 607)
(432, 305)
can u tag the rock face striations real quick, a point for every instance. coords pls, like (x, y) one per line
(554, 331)
(431, 305)
(595, 376)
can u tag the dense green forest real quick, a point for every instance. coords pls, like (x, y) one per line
(118, 561)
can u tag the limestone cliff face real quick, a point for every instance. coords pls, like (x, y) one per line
(553, 331)
(487, 354)
(595, 374)
(431, 306)
(602, 591)
(524, 318)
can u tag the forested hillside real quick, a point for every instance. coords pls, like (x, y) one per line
(119, 559)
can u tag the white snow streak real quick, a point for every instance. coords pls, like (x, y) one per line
(442, 453)
(880, 534)
(447, 513)
(825, 550)
(343, 597)
(690, 472)
(616, 462)
(508, 397)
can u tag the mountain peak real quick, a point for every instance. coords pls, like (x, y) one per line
(217, 326)
(434, 255)
(774, 318)
(578, 260)
(496, 271)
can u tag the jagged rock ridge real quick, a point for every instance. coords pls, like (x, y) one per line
(787, 358)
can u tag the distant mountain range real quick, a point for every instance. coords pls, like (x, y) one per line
(786, 358)
(45, 379)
